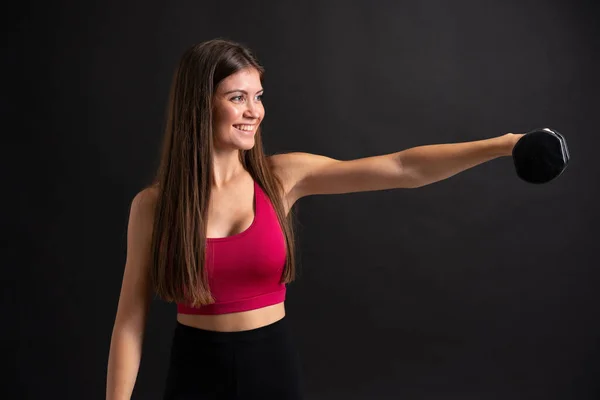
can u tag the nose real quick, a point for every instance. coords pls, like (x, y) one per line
(252, 110)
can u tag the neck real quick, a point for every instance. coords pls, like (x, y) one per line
(226, 168)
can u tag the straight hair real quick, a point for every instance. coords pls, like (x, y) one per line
(178, 269)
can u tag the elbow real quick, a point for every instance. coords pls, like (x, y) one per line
(132, 328)
(410, 179)
(407, 176)
(130, 324)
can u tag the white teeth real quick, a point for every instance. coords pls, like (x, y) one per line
(248, 128)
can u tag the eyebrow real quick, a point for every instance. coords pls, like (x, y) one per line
(242, 91)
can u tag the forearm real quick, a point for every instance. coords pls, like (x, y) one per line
(427, 164)
(123, 363)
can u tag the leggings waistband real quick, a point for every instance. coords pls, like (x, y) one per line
(188, 332)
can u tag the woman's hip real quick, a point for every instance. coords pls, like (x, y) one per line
(259, 363)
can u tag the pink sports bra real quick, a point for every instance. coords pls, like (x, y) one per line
(244, 269)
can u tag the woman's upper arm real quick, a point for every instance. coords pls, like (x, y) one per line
(308, 174)
(136, 293)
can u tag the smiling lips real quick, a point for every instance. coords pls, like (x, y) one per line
(245, 128)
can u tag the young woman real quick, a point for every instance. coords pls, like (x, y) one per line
(214, 233)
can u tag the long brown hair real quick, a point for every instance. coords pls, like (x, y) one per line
(183, 179)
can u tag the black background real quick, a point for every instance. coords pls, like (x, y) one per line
(477, 287)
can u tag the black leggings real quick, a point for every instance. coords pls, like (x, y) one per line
(260, 363)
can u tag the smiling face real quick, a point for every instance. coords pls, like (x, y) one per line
(238, 110)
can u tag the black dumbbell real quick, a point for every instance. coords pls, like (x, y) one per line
(540, 155)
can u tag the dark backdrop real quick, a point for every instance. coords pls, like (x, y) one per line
(477, 287)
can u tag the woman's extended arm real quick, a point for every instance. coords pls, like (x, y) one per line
(309, 174)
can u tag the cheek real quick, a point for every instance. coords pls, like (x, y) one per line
(226, 115)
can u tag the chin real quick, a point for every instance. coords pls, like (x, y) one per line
(248, 146)
(244, 145)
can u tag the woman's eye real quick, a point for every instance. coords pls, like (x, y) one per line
(241, 98)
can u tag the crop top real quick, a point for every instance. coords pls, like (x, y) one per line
(244, 270)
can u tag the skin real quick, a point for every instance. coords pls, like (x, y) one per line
(237, 101)
(231, 210)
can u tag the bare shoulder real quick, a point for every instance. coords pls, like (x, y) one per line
(145, 199)
(297, 159)
(143, 207)
(293, 169)
(280, 165)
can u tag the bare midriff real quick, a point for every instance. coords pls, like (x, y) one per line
(234, 322)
